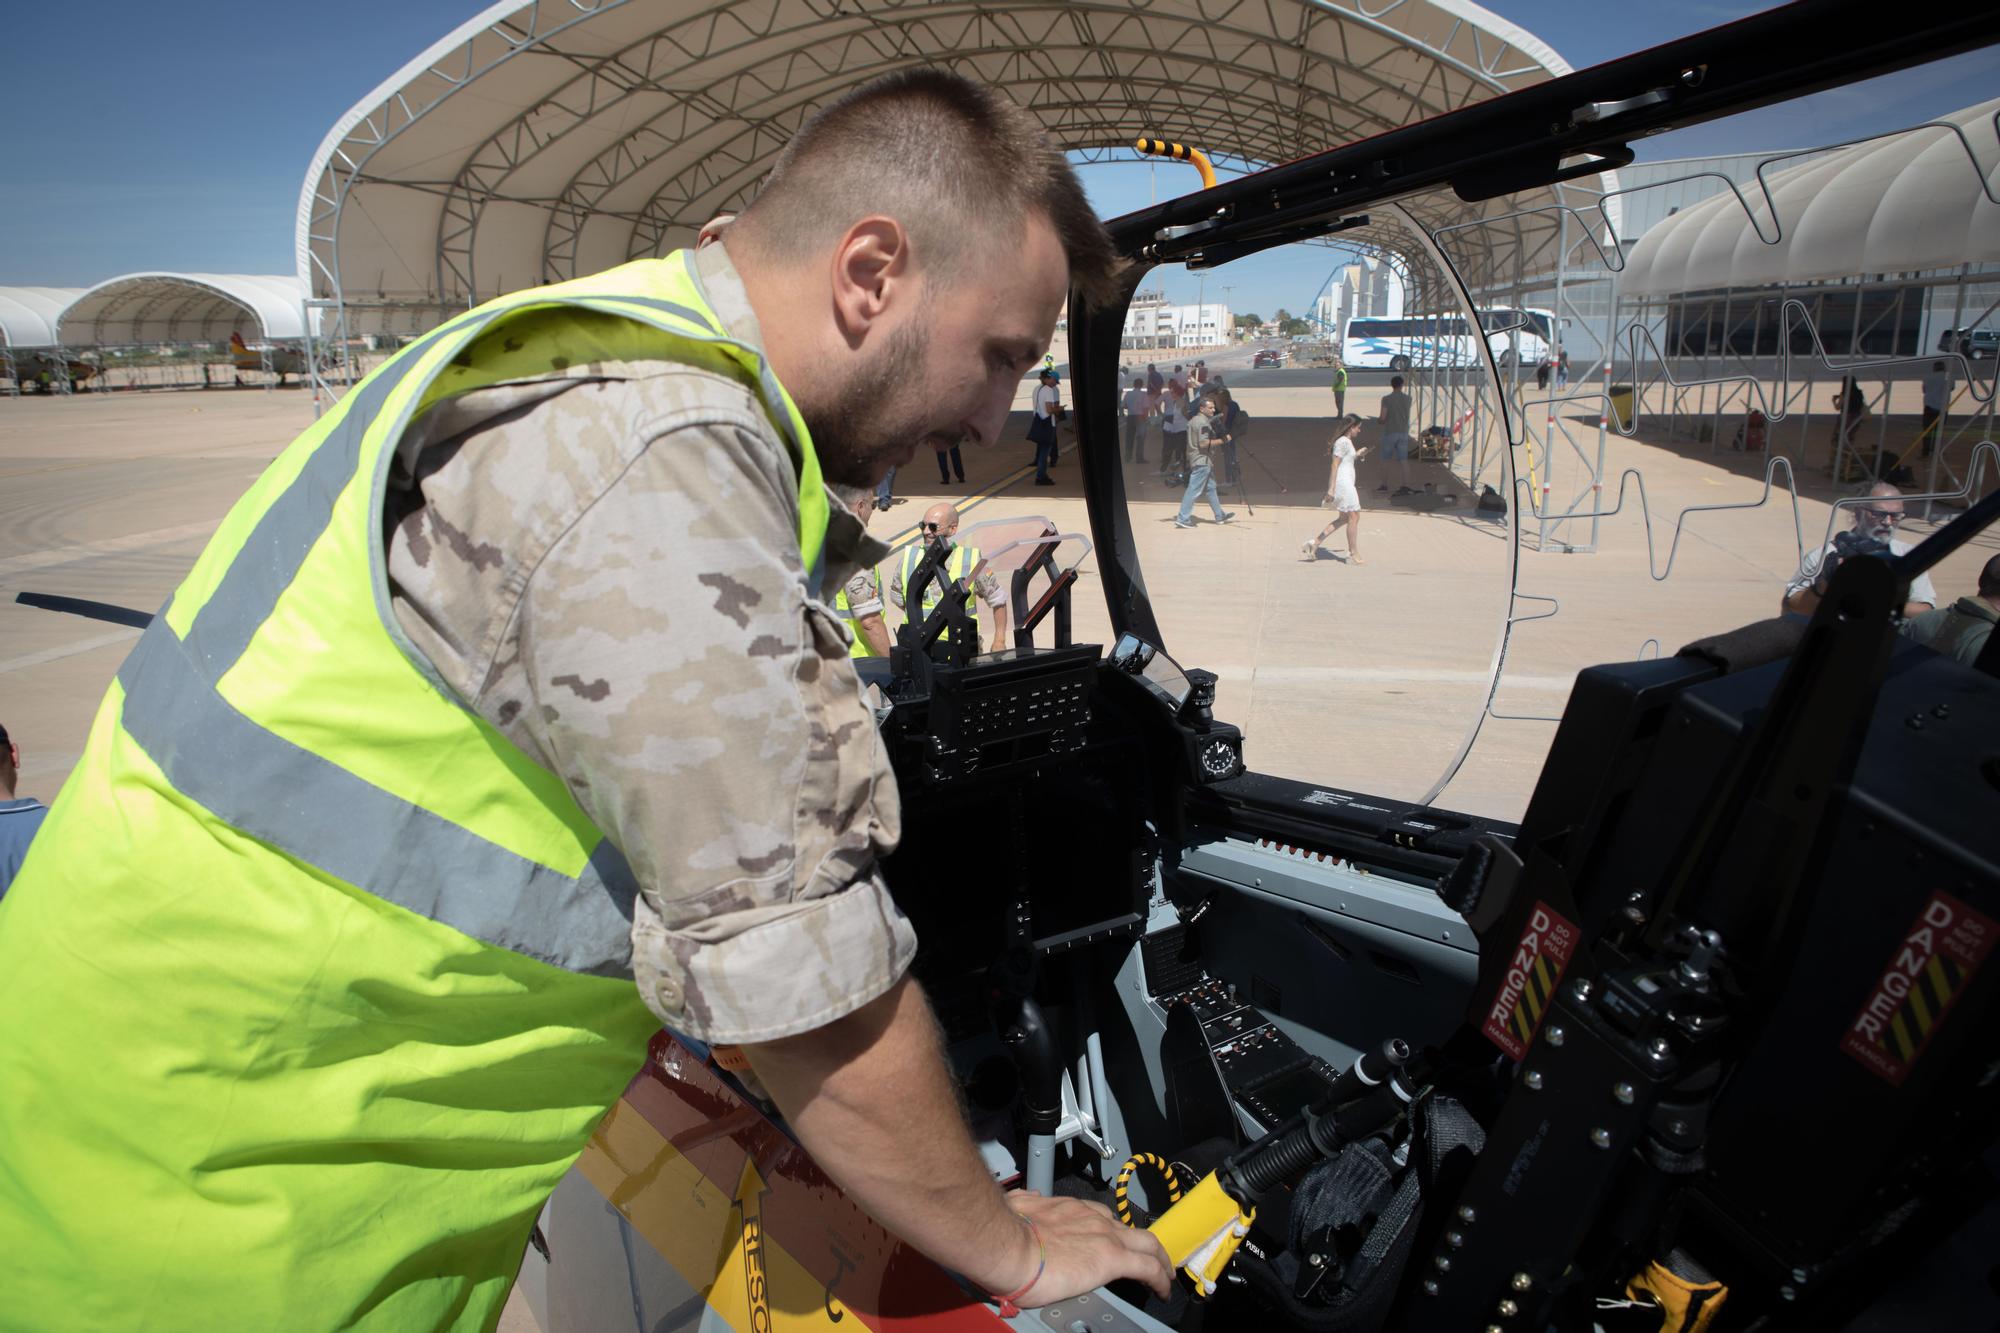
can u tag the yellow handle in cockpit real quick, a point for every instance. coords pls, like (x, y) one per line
(1180, 153)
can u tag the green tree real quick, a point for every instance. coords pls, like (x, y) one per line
(1248, 321)
(1281, 317)
(1289, 327)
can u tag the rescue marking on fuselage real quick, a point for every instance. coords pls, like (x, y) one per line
(1929, 970)
(1533, 974)
(756, 1286)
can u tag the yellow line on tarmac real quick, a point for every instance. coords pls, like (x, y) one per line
(909, 534)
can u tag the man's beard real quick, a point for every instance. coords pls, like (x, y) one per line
(876, 415)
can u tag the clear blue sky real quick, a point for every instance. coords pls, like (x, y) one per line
(162, 136)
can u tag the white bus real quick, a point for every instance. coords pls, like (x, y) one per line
(1514, 333)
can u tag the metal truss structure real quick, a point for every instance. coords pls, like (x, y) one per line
(557, 137)
(169, 319)
(1693, 366)
(28, 318)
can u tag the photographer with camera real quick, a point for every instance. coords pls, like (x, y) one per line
(1873, 533)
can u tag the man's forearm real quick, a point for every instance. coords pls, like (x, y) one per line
(871, 1099)
(875, 633)
(997, 615)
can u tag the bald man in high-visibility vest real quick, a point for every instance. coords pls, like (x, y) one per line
(941, 520)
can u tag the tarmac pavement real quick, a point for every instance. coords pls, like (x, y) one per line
(1371, 677)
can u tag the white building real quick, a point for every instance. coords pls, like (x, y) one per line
(1363, 288)
(1151, 321)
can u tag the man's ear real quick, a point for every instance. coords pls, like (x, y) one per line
(872, 274)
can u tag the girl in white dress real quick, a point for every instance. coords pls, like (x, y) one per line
(1342, 493)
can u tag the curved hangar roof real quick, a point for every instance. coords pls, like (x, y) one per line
(1919, 199)
(546, 139)
(184, 307)
(28, 314)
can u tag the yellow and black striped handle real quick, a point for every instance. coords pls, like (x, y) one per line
(1123, 1206)
(1180, 152)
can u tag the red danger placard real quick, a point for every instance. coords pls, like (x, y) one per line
(1928, 972)
(1533, 974)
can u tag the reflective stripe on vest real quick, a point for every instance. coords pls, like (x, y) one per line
(578, 915)
(329, 979)
(956, 565)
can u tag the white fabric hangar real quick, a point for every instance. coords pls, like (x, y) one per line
(28, 315)
(551, 138)
(185, 308)
(1923, 198)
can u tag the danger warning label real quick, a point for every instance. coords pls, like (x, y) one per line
(1928, 972)
(1533, 974)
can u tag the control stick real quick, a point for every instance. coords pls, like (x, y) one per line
(1202, 1231)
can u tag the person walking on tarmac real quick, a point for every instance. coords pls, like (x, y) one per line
(1339, 388)
(505, 720)
(1205, 443)
(859, 601)
(1342, 493)
(940, 522)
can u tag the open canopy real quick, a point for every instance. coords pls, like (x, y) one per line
(1919, 199)
(185, 308)
(539, 142)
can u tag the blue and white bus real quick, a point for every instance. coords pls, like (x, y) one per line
(1516, 334)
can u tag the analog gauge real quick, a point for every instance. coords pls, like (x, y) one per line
(1218, 759)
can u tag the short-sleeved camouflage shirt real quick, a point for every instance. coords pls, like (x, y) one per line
(864, 593)
(604, 564)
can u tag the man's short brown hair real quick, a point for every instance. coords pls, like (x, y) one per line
(950, 159)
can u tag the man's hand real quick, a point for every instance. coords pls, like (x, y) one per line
(871, 1098)
(1088, 1247)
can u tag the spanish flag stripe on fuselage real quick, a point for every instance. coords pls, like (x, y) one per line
(670, 1157)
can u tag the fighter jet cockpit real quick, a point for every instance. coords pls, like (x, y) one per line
(1694, 1030)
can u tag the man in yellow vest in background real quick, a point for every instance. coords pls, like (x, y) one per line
(860, 599)
(941, 521)
(505, 719)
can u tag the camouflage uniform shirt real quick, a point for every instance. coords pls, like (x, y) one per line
(604, 564)
(864, 593)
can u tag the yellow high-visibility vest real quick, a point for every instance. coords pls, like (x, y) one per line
(957, 565)
(316, 984)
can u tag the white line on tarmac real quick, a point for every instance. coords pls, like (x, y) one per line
(57, 654)
(137, 541)
(1339, 675)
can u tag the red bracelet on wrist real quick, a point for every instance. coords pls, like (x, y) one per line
(1008, 1308)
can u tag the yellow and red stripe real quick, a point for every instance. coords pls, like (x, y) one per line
(747, 1218)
